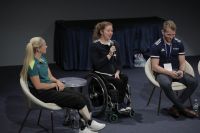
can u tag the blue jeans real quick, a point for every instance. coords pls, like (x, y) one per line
(189, 81)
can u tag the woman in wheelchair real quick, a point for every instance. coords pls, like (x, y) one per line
(47, 88)
(105, 59)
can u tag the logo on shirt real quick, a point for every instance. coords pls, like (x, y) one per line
(162, 49)
(175, 48)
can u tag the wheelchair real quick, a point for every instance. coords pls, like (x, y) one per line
(104, 98)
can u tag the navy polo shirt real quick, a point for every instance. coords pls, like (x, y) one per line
(168, 53)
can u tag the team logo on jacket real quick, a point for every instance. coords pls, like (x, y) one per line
(175, 48)
(162, 49)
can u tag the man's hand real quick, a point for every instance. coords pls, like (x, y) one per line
(179, 74)
(176, 74)
(173, 74)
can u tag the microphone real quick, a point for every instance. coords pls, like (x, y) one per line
(112, 44)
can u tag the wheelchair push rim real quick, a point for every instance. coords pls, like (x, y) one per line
(97, 94)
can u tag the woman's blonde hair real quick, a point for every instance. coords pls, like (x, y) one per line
(100, 27)
(31, 48)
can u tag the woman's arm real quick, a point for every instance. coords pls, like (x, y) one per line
(52, 78)
(58, 82)
(39, 86)
(118, 57)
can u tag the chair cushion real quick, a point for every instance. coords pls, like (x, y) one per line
(178, 86)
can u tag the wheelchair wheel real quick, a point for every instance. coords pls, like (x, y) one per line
(97, 94)
(113, 117)
(132, 113)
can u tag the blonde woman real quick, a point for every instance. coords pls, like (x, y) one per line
(47, 88)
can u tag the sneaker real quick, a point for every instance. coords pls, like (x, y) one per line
(128, 108)
(121, 107)
(86, 130)
(96, 126)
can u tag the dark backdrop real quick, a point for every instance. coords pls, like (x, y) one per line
(72, 40)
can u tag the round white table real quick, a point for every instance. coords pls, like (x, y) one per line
(74, 82)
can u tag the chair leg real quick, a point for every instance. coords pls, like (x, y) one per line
(158, 110)
(190, 101)
(38, 122)
(52, 129)
(151, 96)
(22, 125)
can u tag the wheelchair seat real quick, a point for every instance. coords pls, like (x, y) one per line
(103, 96)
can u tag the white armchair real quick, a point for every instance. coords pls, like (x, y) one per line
(176, 86)
(35, 103)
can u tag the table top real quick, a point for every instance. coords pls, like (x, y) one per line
(73, 81)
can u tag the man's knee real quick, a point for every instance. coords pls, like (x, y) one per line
(191, 81)
(164, 81)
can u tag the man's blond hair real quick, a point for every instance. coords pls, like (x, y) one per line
(169, 24)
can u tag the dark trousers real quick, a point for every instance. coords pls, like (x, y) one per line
(66, 98)
(120, 85)
(189, 81)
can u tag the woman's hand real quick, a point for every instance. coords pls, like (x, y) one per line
(112, 50)
(117, 75)
(60, 85)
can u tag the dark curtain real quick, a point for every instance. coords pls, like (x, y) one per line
(72, 40)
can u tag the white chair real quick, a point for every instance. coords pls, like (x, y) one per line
(176, 86)
(199, 67)
(35, 103)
